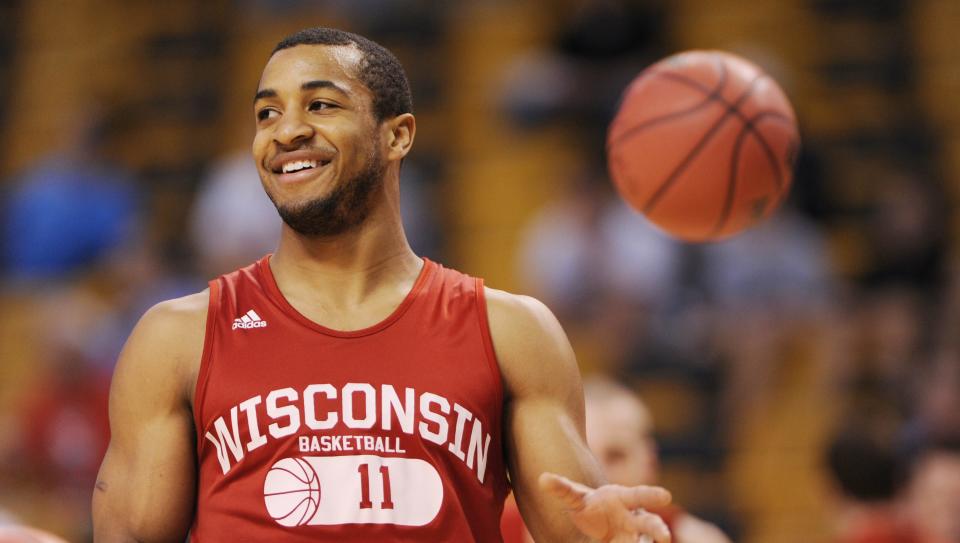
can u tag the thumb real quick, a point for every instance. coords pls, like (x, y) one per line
(567, 491)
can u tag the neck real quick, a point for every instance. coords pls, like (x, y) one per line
(345, 269)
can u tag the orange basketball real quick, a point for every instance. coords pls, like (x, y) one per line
(703, 144)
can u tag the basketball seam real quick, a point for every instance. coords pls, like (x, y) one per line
(774, 114)
(282, 492)
(710, 97)
(732, 107)
(311, 473)
(281, 517)
(751, 127)
(686, 80)
(692, 83)
(306, 510)
(295, 476)
(731, 182)
(665, 186)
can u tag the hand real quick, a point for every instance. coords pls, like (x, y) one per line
(611, 513)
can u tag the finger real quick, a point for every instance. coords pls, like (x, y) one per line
(636, 497)
(567, 491)
(650, 525)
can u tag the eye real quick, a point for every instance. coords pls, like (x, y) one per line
(319, 105)
(614, 456)
(266, 113)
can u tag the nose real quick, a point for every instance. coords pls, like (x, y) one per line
(292, 129)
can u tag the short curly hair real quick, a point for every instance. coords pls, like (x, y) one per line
(379, 70)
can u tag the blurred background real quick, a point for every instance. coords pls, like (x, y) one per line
(802, 375)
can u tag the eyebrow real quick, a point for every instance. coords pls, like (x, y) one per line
(309, 85)
(323, 84)
(265, 93)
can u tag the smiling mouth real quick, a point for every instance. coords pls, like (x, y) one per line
(295, 166)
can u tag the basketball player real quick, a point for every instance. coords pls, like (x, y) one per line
(345, 389)
(620, 434)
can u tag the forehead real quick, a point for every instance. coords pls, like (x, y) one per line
(289, 68)
(617, 416)
(942, 466)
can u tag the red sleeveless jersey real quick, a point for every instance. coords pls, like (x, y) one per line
(389, 433)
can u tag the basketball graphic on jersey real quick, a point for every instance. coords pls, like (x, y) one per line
(291, 492)
(361, 489)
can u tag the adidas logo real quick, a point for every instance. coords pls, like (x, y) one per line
(250, 320)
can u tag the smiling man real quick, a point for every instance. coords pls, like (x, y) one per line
(344, 388)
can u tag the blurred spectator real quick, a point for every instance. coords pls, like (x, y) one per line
(600, 45)
(13, 532)
(58, 424)
(418, 209)
(934, 491)
(892, 330)
(774, 280)
(935, 402)
(907, 234)
(869, 477)
(947, 321)
(23, 534)
(779, 266)
(233, 221)
(587, 247)
(601, 267)
(620, 434)
(72, 208)
(64, 424)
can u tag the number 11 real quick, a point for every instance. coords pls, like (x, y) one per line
(365, 503)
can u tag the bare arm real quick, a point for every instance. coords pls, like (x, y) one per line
(145, 490)
(545, 433)
(544, 417)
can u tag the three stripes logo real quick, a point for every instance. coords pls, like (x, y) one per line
(249, 320)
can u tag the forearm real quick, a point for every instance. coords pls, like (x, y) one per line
(550, 442)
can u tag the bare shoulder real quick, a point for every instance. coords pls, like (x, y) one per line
(167, 342)
(176, 326)
(186, 311)
(532, 349)
(508, 310)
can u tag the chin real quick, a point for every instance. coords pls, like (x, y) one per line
(297, 197)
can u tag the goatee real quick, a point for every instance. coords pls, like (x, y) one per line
(345, 208)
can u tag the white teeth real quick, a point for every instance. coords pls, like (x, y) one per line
(298, 165)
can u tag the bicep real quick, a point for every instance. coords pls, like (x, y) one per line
(544, 413)
(145, 488)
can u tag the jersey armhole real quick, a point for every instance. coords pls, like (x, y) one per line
(203, 373)
(484, 320)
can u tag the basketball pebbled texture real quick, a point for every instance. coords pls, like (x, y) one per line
(703, 144)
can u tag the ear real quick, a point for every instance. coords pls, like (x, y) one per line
(398, 135)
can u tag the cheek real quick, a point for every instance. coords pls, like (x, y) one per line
(259, 145)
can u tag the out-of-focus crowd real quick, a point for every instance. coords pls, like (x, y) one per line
(805, 376)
